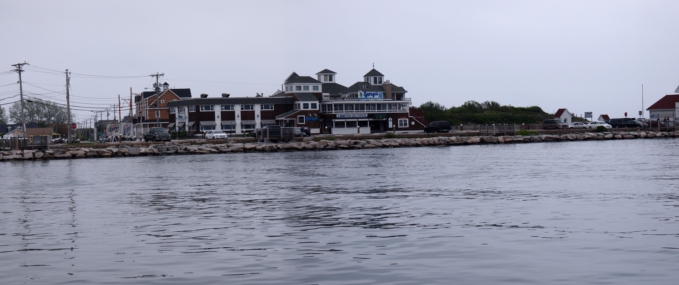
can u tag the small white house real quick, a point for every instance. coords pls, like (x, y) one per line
(603, 118)
(563, 116)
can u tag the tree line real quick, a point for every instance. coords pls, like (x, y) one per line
(44, 113)
(488, 112)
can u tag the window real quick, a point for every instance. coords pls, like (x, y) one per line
(363, 124)
(172, 110)
(306, 87)
(325, 77)
(297, 106)
(287, 88)
(298, 88)
(402, 123)
(228, 127)
(339, 124)
(162, 101)
(207, 128)
(360, 107)
(246, 107)
(349, 107)
(192, 108)
(314, 106)
(267, 107)
(300, 120)
(305, 106)
(248, 127)
(207, 108)
(339, 107)
(315, 87)
(227, 107)
(370, 107)
(330, 77)
(181, 109)
(351, 124)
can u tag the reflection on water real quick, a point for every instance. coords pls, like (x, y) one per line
(569, 213)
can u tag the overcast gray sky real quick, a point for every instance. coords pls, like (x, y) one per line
(581, 55)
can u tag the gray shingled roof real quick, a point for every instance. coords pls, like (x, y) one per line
(334, 88)
(294, 78)
(326, 71)
(305, 97)
(373, 72)
(372, 88)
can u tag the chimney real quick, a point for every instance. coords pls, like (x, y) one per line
(387, 90)
(166, 86)
(203, 95)
(225, 95)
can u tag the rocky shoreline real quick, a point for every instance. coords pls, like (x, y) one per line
(131, 149)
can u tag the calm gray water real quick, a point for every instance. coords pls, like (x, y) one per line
(550, 213)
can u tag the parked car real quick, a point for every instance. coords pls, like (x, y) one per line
(552, 124)
(58, 140)
(157, 134)
(595, 124)
(578, 125)
(215, 134)
(299, 132)
(437, 127)
(624, 123)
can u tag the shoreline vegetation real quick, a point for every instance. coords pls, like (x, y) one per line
(316, 143)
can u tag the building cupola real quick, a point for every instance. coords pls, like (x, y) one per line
(326, 76)
(374, 77)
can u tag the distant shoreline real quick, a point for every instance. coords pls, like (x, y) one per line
(319, 143)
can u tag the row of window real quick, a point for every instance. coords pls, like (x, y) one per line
(306, 106)
(302, 88)
(402, 123)
(243, 107)
(362, 107)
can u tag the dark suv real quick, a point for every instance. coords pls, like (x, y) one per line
(624, 123)
(551, 124)
(157, 134)
(437, 127)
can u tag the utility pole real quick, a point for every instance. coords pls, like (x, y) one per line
(120, 115)
(157, 88)
(21, 94)
(68, 106)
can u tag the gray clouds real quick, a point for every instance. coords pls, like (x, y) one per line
(580, 55)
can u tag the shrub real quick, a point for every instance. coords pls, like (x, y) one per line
(601, 129)
(527, 133)
(390, 135)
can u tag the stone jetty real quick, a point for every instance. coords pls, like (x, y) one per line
(320, 143)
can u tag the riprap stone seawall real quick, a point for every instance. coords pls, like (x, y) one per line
(128, 149)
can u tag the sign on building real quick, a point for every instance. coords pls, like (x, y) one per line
(588, 115)
(370, 95)
(351, 115)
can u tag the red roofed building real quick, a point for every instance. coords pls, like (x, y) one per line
(603, 118)
(667, 106)
(563, 116)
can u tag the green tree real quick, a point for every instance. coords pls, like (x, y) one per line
(433, 111)
(3, 116)
(45, 113)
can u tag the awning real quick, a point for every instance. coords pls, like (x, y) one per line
(208, 123)
(228, 123)
(248, 122)
(170, 125)
(180, 125)
(268, 122)
(191, 124)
